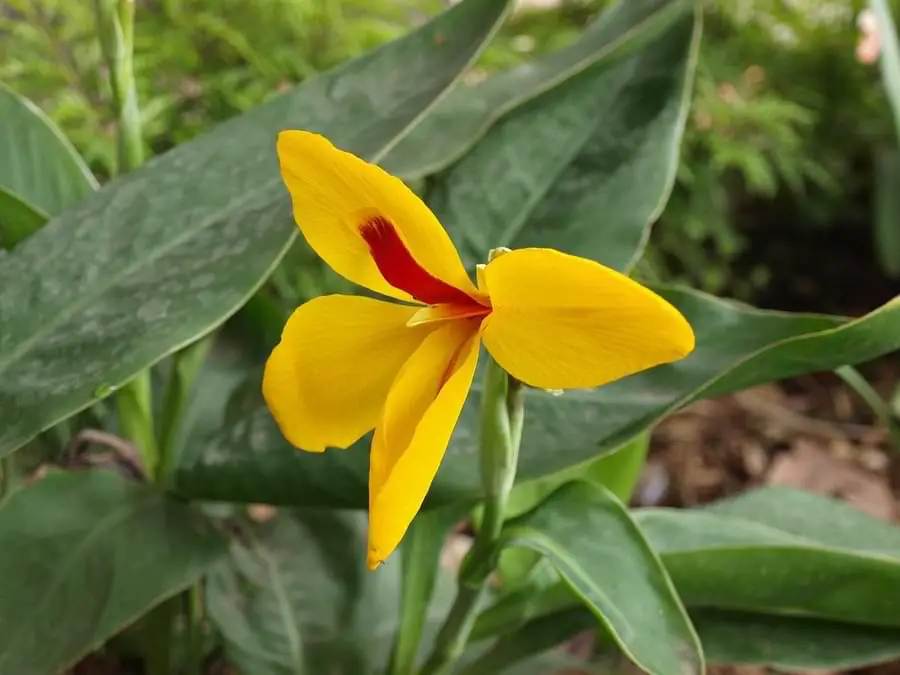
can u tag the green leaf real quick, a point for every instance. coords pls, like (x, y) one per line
(161, 256)
(294, 597)
(792, 643)
(728, 638)
(284, 600)
(18, 220)
(420, 559)
(37, 164)
(886, 216)
(87, 553)
(737, 347)
(615, 573)
(466, 115)
(890, 57)
(618, 472)
(533, 638)
(769, 552)
(583, 168)
(797, 554)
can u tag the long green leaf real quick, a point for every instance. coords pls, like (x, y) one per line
(792, 643)
(84, 555)
(615, 574)
(467, 114)
(166, 253)
(737, 347)
(584, 168)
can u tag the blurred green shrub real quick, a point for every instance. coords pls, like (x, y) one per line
(198, 62)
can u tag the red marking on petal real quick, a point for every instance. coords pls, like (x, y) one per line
(400, 269)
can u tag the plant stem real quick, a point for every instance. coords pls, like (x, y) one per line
(7, 477)
(115, 22)
(115, 28)
(185, 366)
(882, 409)
(195, 615)
(501, 432)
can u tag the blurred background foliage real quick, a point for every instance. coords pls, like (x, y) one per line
(787, 119)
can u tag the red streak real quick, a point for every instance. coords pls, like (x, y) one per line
(401, 270)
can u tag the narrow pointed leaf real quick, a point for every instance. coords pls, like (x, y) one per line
(615, 573)
(84, 555)
(164, 254)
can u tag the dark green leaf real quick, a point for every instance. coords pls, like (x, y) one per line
(466, 115)
(18, 220)
(796, 555)
(737, 347)
(295, 598)
(792, 643)
(533, 638)
(161, 256)
(285, 600)
(615, 573)
(37, 164)
(84, 555)
(728, 638)
(586, 166)
(420, 558)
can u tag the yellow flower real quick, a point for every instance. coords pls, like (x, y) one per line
(346, 364)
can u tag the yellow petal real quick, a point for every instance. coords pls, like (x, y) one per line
(367, 225)
(327, 380)
(421, 411)
(561, 322)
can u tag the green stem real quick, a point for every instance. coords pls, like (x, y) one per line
(7, 477)
(115, 28)
(135, 410)
(501, 433)
(185, 366)
(195, 615)
(882, 409)
(115, 22)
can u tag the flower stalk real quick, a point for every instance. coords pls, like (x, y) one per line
(502, 414)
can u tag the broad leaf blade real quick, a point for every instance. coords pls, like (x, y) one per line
(615, 573)
(294, 597)
(737, 347)
(792, 643)
(37, 163)
(164, 254)
(466, 115)
(729, 561)
(584, 168)
(284, 600)
(85, 555)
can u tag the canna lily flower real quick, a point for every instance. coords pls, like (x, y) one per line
(346, 365)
